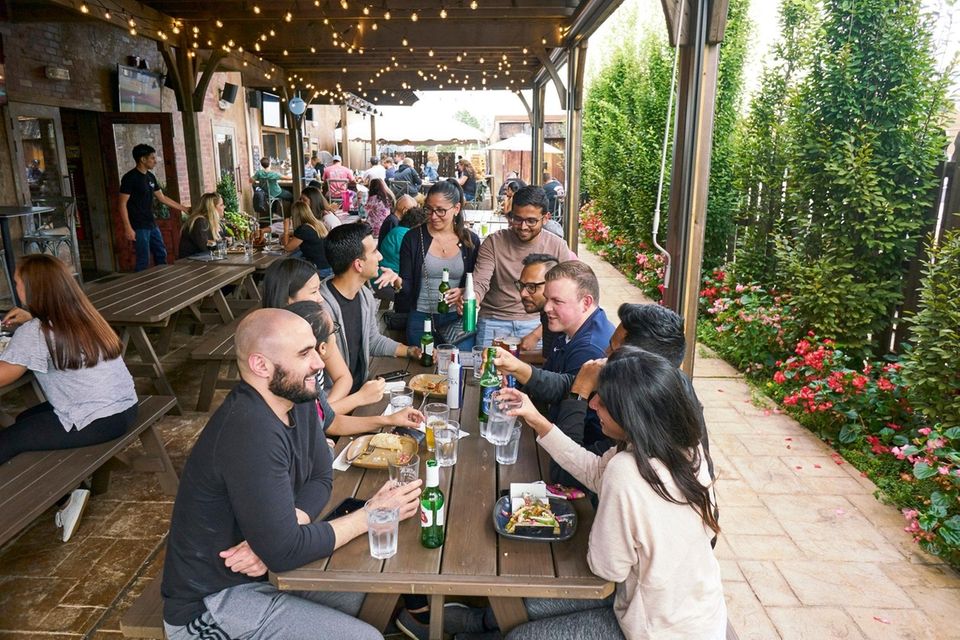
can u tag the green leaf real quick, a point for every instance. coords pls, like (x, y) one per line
(922, 471)
(848, 434)
(953, 522)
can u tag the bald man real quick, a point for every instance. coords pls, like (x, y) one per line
(404, 204)
(257, 478)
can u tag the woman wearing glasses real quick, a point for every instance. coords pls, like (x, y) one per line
(443, 242)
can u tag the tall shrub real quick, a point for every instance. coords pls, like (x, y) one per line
(933, 366)
(868, 131)
(763, 146)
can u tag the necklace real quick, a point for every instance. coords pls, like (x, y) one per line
(445, 246)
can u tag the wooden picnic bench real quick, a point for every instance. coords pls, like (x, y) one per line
(153, 298)
(215, 350)
(31, 482)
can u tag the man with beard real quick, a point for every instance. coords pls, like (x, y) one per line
(532, 284)
(257, 479)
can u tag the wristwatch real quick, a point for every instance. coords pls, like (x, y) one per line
(575, 396)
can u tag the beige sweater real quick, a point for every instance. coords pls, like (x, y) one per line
(658, 553)
(499, 263)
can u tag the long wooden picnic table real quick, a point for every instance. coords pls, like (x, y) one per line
(248, 295)
(474, 560)
(151, 298)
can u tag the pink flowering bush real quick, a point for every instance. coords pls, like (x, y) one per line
(639, 261)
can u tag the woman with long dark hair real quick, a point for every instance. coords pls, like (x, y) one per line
(293, 280)
(467, 179)
(380, 204)
(655, 518)
(443, 242)
(75, 357)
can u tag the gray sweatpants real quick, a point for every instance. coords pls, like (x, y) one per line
(552, 619)
(260, 611)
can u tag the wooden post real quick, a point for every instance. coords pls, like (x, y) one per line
(295, 143)
(576, 62)
(690, 178)
(536, 131)
(373, 136)
(190, 93)
(345, 140)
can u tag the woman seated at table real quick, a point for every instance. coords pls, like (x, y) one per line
(308, 237)
(443, 242)
(510, 189)
(75, 357)
(390, 245)
(467, 180)
(380, 203)
(202, 230)
(322, 209)
(655, 518)
(294, 280)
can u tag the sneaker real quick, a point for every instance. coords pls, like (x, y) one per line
(69, 516)
(457, 618)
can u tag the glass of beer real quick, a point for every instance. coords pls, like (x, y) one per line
(436, 414)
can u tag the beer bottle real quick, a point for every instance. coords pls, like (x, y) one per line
(426, 345)
(442, 305)
(431, 509)
(489, 383)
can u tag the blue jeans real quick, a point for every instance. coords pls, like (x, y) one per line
(490, 328)
(415, 328)
(149, 241)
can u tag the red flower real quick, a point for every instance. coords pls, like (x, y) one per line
(779, 378)
(885, 385)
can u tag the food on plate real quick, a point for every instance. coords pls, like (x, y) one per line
(429, 385)
(533, 513)
(387, 441)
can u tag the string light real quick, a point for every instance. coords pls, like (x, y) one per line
(288, 17)
(256, 9)
(84, 9)
(473, 5)
(414, 17)
(443, 13)
(386, 15)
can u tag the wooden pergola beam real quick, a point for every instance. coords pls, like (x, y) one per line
(209, 68)
(551, 68)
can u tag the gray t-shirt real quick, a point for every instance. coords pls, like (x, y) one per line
(78, 396)
(430, 287)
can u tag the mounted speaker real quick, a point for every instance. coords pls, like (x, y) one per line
(309, 115)
(254, 99)
(229, 93)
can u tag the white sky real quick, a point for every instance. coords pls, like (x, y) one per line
(763, 14)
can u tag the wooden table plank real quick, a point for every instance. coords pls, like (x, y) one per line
(260, 260)
(471, 546)
(519, 557)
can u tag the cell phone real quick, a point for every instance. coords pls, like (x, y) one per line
(399, 374)
(346, 507)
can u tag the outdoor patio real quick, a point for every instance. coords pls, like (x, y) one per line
(802, 537)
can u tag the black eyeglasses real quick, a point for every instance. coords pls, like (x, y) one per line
(440, 213)
(336, 328)
(519, 222)
(531, 287)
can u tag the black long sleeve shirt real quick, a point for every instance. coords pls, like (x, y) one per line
(247, 473)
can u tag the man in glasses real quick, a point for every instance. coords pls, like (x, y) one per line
(531, 285)
(500, 262)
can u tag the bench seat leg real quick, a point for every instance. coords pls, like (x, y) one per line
(153, 445)
(208, 385)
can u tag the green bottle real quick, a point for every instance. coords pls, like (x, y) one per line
(469, 305)
(442, 305)
(426, 345)
(489, 383)
(431, 509)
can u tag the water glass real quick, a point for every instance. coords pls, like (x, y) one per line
(436, 414)
(382, 527)
(404, 468)
(447, 438)
(500, 425)
(507, 453)
(478, 354)
(401, 399)
(443, 354)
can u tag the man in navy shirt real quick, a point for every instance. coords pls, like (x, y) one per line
(138, 187)
(250, 494)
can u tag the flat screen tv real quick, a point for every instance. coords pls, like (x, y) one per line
(139, 90)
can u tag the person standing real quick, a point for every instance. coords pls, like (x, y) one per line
(443, 243)
(500, 262)
(138, 188)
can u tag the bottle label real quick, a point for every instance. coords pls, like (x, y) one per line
(440, 517)
(428, 517)
(487, 399)
(428, 349)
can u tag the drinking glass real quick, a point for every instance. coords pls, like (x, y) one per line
(507, 453)
(500, 425)
(436, 414)
(401, 399)
(478, 353)
(404, 468)
(382, 526)
(443, 354)
(447, 438)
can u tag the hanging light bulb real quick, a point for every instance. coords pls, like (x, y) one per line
(220, 24)
(443, 13)
(366, 11)
(414, 17)
(84, 8)
(288, 17)
(343, 3)
(386, 15)
(430, 53)
(132, 22)
(106, 14)
(374, 26)
(473, 5)
(404, 42)
(256, 9)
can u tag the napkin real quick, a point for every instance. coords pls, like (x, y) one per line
(341, 464)
(396, 385)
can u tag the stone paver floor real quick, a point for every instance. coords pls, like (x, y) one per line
(806, 550)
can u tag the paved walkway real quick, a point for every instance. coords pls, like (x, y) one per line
(806, 549)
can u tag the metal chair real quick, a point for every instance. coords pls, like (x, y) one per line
(52, 234)
(399, 187)
(338, 184)
(479, 196)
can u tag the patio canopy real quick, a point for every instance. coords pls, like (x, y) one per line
(408, 127)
